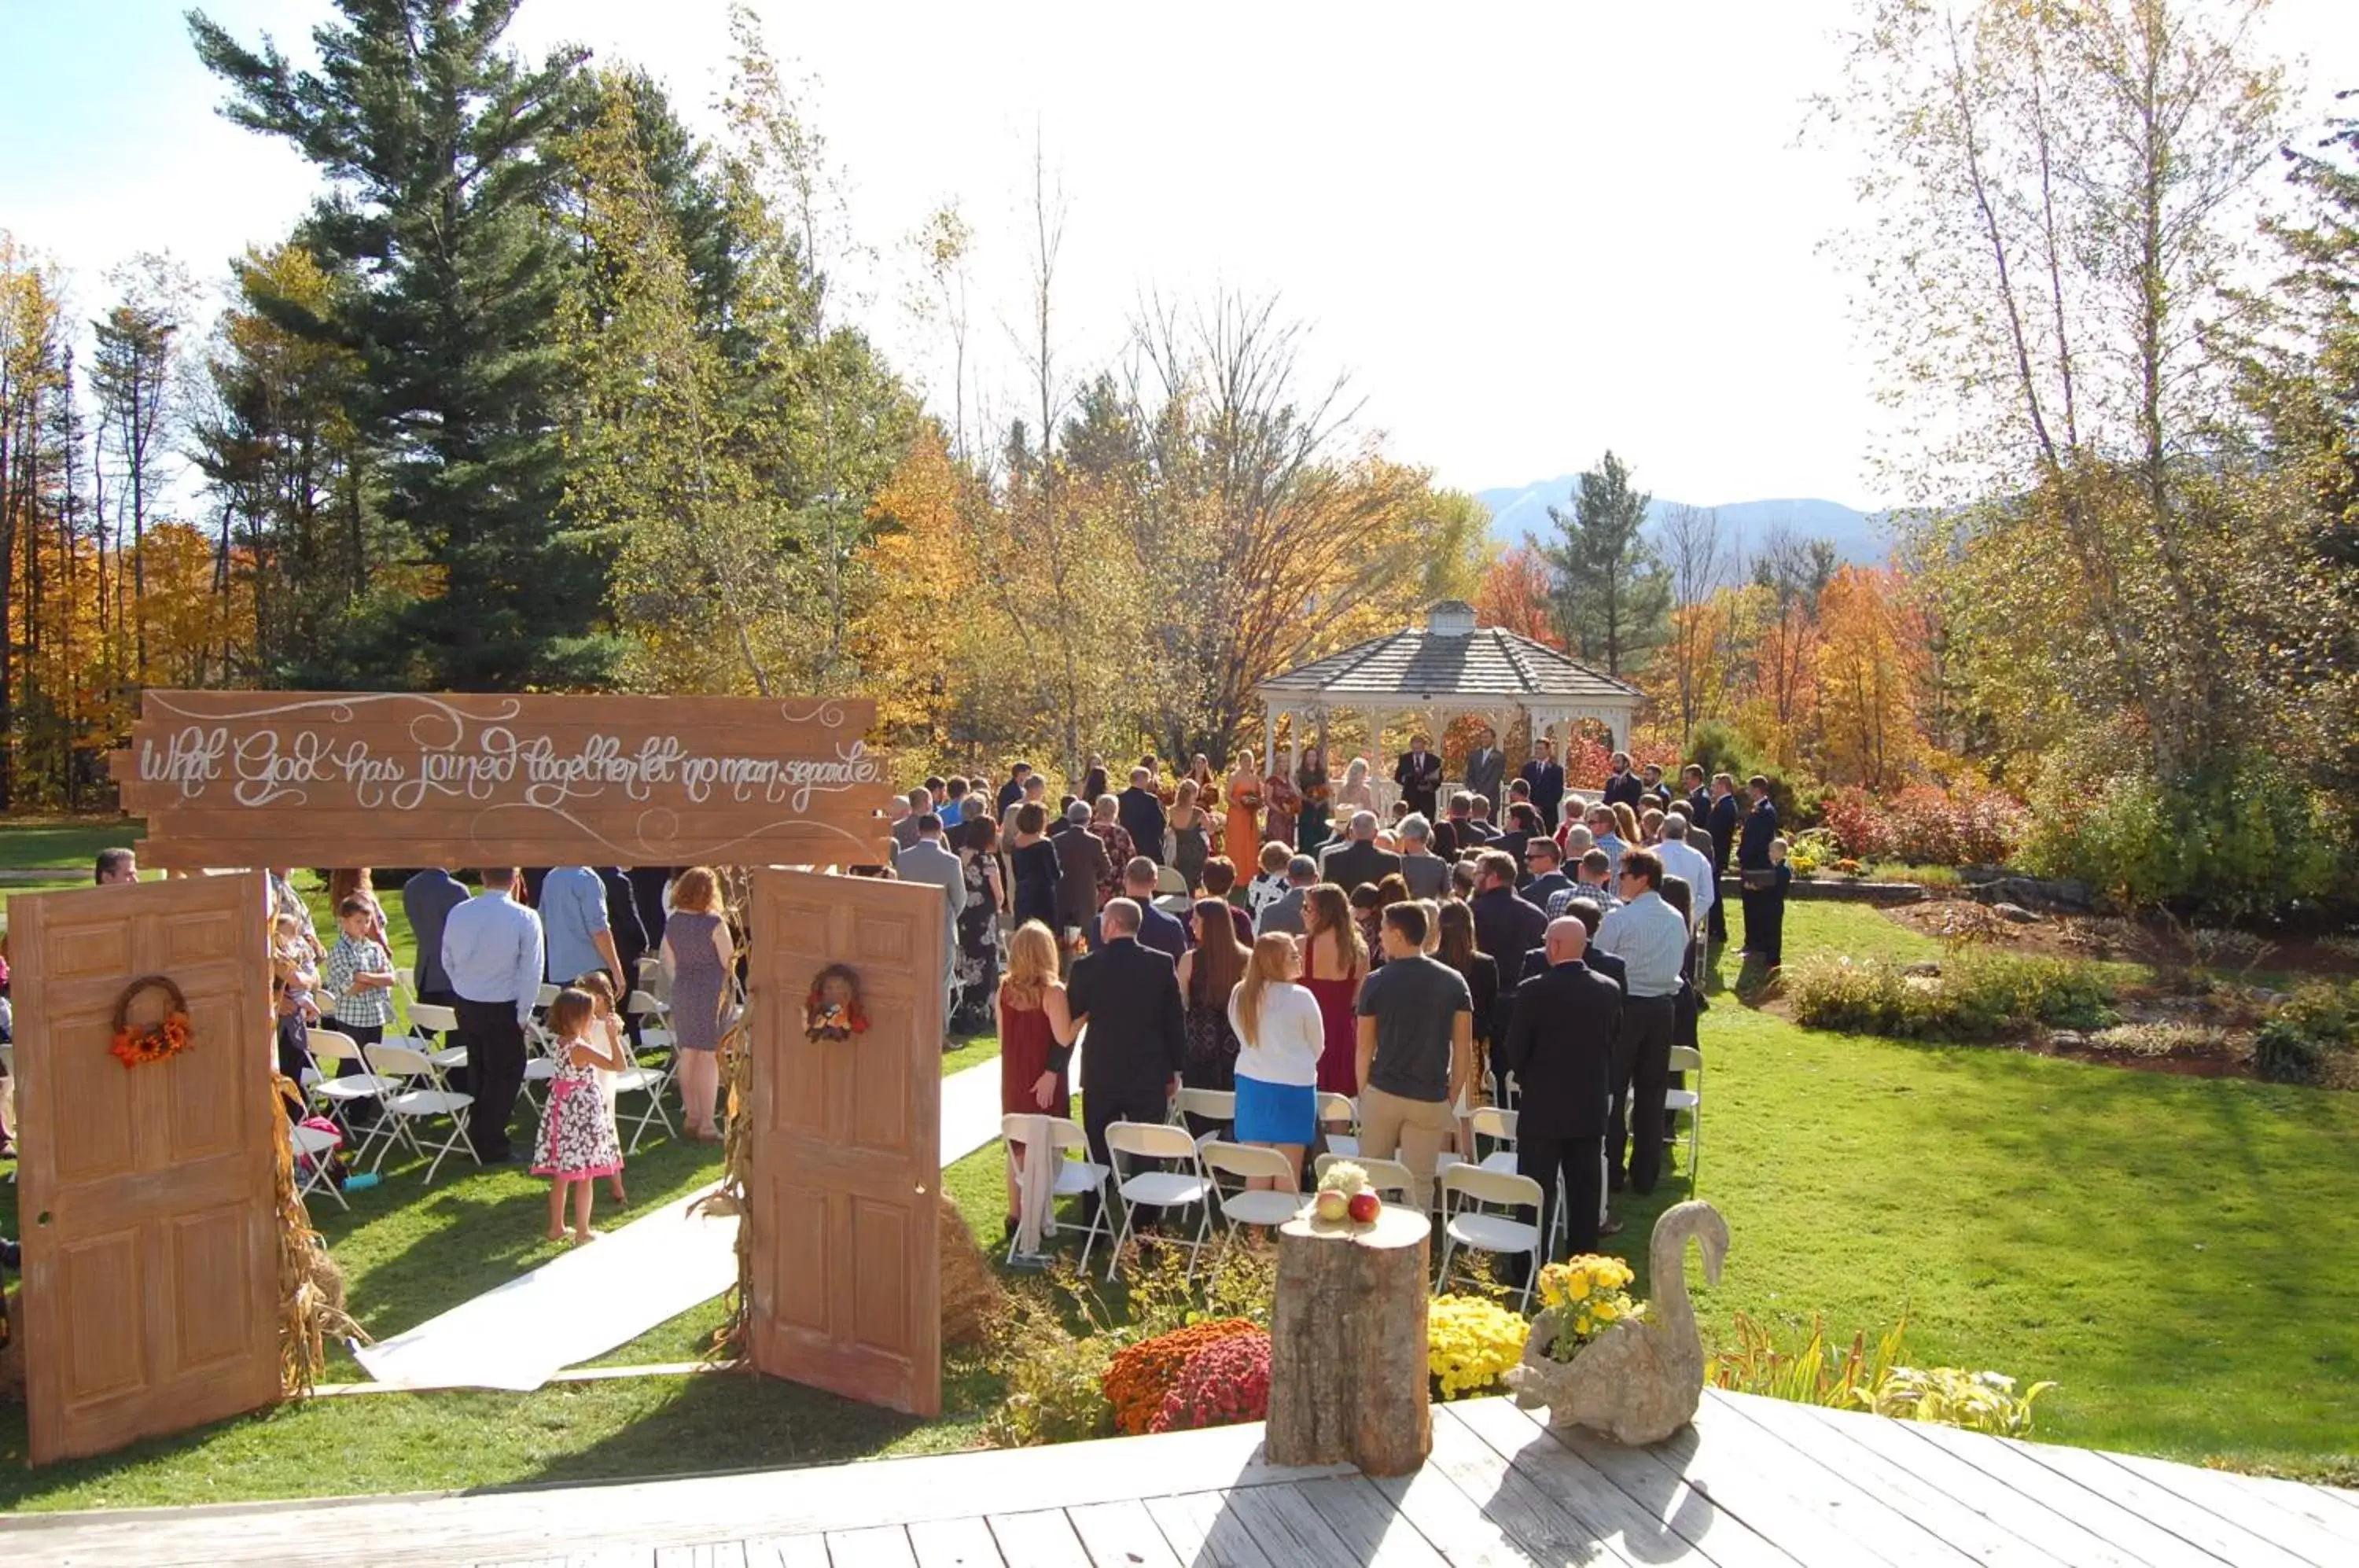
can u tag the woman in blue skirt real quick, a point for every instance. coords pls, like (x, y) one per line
(1278, 1037)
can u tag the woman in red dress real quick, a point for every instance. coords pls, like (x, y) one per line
(1035, 1027)
(1278, 794)
(1334, 961)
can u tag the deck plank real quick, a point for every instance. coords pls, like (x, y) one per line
(2112, 1521)
(1956, 1522)
(2055, 1532)
(1443, 1512)
(1528, 1511)
(1206, 1533)
(2193, 1522)
(1807, 1511)
(2304, 1527)
(1043, 1537)
(955, 1543)
(1665, 1493)
(1285, 1526)
(1628, 1525)
(1371, 1527)
(878, 1546)
(712, 1554)
(787, 1551)
(1121, 1535)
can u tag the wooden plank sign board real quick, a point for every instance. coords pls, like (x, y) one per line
(229, 779)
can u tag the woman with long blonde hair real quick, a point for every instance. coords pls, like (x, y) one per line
(1625, 823)
(1241, 836)
(1036, 1037)
(700, 956)
(1334, 961)
(1281, 1035)
(1356, 793)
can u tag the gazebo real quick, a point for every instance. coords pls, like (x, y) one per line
(1447, 668)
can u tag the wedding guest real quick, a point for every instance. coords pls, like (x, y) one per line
(115, 865)
(1208, 971)
(1032, 862)
(1561, 1049)
(1128, 997)
(359, 977)
(1269, 886)
(1545, 863)
(1651, 940)
(1427, 873)
(1415, 1051)
(1506, 926)
(921, 804)
(1280, 1034)
(1459, 948)
(1285, 913)
(1141, 810)
(1036, 1039)
(575, 929)
(1093, 781)
(1357, 861)
(1154, 931)
(1081, 869)
(1221, 882)
(700, 956)
(426, 901)
(1691, 864)
(1120, 851)
(1625, 825)
(1334, 961)
(492, 952)
(977, 971)
(356, 882)
(1544, 778)
(1012, 790)
(1187, 834)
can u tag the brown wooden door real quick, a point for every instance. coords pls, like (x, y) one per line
(151, 1260)
(847, 1141)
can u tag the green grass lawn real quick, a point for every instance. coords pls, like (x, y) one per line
(2181, 1255)
(37, 843)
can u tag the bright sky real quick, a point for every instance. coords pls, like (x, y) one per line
(1529, 232)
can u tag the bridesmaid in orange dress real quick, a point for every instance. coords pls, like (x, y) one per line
(1241, 840)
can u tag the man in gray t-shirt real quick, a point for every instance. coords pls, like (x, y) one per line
(1416, 1048)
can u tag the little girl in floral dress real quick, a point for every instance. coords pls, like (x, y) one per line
(577, 1142)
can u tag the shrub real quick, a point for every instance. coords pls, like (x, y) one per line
(1470, 1342)
(2282, 1053)
(2241, 835)
(1926, 824)
(1054, 1380)
(2311, 1037)
(1978, 995)
(1715, 747)
(1811, 1373)
(1223, 1384)
(1139, 1376)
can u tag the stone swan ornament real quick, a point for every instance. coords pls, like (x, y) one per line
(1640, 1380)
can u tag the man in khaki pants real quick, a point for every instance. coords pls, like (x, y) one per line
(1416, 1048)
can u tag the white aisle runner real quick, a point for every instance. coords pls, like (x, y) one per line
(579, 1307)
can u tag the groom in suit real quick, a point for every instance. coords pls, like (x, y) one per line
(1486, 767)
(1418, 774)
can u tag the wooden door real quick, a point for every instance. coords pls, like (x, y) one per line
(841, 1201)
(151, 1250)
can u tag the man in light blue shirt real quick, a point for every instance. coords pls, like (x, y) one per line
(581, 935)
(491, 950)
(1651, 940)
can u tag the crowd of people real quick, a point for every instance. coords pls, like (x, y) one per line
(1282, 936)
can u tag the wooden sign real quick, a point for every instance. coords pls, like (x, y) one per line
(243, 778)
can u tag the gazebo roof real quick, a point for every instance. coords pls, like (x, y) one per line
(1451, 657)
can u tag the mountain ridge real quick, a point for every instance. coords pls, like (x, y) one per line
(1519, 515)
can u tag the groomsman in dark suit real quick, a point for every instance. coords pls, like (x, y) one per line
(1621, 785)
(1753, 854)
(1418, 774)
(1721, 822)
(1140, 811)
(1698, 797)
(1129, 996)
(1544, 778)
(1486, 767)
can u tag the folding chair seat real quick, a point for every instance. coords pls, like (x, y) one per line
(1688, 1102)
(1261, 1207)
(1387, 1177)
(432, 1025)
(1334, 1108)
(422, 1100)
(1499, 1127)
(1158, 1189)
(313, 1148)
(338, 1094)
(1075, 1178)
(641, 1079)
(1479, 1231)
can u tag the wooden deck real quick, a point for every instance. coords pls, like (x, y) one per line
(1754, 1482)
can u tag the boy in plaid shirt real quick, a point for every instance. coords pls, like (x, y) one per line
(359, 976)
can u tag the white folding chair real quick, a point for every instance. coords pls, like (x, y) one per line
(1387, 1177)
(413, 1104)
(313, 1148)
(1158, 1189)
(1479, 1231)
(338, 1094)
(1261, 1207)
(1688, 1102)
(545, 996)
(1499, 1127)
(1334, 1108)
(432, 1025)
(641, 1004)
(1075, 1178)
(640, 1079)
(1216, 1105)
(1170, 884)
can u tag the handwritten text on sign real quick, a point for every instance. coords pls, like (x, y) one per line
(638, 775)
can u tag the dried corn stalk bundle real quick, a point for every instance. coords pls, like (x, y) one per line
(310, 1286)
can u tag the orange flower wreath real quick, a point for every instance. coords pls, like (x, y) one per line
(139, 1046)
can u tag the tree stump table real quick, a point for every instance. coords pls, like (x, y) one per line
(1348, 1364)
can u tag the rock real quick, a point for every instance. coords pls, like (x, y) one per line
(1925, 969)
(2067, 1039)
(2015, 912)
(2059, 898)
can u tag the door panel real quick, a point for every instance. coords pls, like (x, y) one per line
(151, 1247)
(847, 1140)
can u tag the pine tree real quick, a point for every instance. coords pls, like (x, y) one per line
(1613, 595)
(432, 139)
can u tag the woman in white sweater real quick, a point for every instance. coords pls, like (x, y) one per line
(1279, 1036)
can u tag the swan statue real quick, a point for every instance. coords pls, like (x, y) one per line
(1640, 1380)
